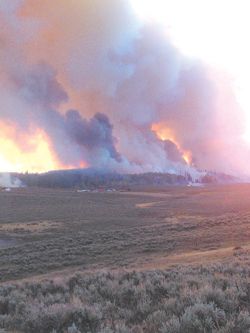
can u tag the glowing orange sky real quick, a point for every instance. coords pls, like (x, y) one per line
(39, 156)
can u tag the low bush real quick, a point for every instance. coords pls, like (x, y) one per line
(205, 299)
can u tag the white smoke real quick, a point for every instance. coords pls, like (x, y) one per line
(7, 180)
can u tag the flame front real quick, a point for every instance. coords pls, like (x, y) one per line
(166, 133)
(30, 152)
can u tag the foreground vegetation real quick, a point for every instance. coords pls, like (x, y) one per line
(214, 298)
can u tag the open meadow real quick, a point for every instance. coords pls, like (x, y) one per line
(128, 262)
(43, 231)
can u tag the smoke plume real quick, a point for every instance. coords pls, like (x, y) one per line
(113, 93)
(6, 180)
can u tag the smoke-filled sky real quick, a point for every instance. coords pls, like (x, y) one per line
(125, 85)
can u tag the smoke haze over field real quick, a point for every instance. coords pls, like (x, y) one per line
(6, 180)
(87, 83)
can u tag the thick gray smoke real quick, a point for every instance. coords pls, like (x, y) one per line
(93, 134)
(73, 138)
(96, 80)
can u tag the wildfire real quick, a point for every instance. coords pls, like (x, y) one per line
(187, 156)
(33, 153)
(165, 133)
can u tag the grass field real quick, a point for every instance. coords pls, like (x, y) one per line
(45, 231)
(175, 261)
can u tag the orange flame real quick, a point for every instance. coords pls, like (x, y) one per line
(165, 133)
(187, 156)
(33, 154)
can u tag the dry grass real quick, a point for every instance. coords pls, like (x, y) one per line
(33, 227)
(43, 231)
(148, 262)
